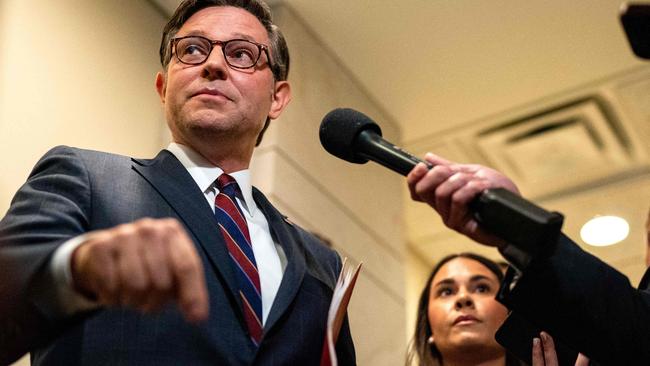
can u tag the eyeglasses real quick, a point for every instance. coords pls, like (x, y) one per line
(238, 53)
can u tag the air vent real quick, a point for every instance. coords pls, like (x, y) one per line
(559, 148)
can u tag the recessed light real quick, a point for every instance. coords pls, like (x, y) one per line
(602, 231)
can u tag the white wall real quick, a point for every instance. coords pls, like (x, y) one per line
(76, 72)
(358, 207)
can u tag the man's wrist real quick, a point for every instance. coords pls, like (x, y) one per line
(69, 297)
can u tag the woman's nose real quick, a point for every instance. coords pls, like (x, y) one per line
(464, 299)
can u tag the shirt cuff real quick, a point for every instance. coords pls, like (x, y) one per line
(68, 300)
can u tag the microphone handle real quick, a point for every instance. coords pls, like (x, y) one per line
(370, 145)
(499, 211)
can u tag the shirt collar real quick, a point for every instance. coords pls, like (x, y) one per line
(205, 173)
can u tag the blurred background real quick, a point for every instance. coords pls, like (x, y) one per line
(546, 91)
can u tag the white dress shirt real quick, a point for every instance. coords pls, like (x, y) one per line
(269, 263)
(270, 258)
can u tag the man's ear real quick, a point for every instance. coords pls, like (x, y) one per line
(281, 97)
(161, 86)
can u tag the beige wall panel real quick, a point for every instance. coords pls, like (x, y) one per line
(417, 270)
(262, 167)
(79, 73)
(75, 72)
(358, 207)
(377, 324)
(376, 314)
(316, 210)
(321, 84)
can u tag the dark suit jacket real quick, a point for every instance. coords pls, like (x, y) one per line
(73, 191)
(584, 304)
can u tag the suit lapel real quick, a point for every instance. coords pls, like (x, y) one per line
(178, 189)
(287, 237)
(168, 176)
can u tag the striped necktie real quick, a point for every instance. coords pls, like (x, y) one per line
(235, 232)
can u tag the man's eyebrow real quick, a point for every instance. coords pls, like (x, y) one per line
(194, 33)
(235, 35)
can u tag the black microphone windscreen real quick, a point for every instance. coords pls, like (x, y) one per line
(339, 130)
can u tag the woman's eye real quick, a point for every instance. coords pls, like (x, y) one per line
(482, 288)
(445, 291)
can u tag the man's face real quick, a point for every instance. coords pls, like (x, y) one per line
(212, 101)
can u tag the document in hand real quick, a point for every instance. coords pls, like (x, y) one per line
(337, 311)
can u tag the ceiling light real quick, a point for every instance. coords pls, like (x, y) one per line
(602, 231)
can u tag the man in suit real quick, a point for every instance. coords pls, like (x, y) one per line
(580, 300)
(112, 260)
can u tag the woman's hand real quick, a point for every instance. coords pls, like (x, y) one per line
(544, 352)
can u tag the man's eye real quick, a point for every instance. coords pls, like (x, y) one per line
(242, 54)
(193, 49)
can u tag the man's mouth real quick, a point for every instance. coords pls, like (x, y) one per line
(210, 92)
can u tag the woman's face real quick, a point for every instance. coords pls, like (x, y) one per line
(463, 314)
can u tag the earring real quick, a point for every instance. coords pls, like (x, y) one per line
(430, 340)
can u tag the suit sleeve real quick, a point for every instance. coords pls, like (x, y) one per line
(50, 208)
(586, 304)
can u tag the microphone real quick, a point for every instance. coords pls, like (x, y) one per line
(352, 136)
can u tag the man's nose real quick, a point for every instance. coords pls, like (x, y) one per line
(215, 67)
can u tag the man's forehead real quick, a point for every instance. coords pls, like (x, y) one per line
(217, 22)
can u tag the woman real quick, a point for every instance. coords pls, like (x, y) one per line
(458, 315)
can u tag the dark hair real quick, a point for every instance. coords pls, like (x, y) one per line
(419, 347)
(279, 62)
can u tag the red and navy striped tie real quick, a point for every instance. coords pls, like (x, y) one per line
(235, 232)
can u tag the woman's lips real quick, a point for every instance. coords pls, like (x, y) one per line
(466, 319)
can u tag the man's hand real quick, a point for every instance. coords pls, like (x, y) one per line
(449, 187)
(143, 264)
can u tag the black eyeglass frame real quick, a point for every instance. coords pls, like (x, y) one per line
(261, 47)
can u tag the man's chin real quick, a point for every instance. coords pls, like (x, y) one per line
(209, 121)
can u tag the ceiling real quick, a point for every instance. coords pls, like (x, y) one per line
(439, 66)
(435, 64)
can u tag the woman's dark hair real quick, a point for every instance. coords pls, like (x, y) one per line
(419, 348)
